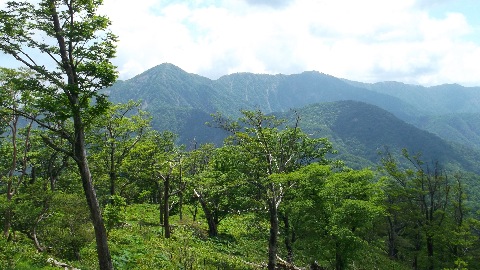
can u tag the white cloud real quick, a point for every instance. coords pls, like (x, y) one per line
(369, 40)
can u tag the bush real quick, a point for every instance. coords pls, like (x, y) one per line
(114, 212)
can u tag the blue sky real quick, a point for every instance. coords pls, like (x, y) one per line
(468, 8)
(425, 42)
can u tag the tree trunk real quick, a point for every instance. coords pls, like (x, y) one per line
(339, 259)
(180, 205)
(8, 210)
(80, 156)
(113, 177)
(392, 235)
(182, 188)
(289, 237)
(113, 174)
(212, 225)
(160, 202)
(166, 210)
(273, 239)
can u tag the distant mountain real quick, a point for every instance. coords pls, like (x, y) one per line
(434, 100)
(450, 111)
(182, 102)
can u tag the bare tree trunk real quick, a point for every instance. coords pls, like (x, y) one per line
(80, 156)
(166, 210)
(39, 247)
(160, 202)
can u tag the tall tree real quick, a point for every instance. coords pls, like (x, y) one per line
(270, 149)
(156, 163)
(167, 169)
(68, 47)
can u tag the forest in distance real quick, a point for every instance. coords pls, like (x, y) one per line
(302, 171)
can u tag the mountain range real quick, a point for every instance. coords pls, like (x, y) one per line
(441, 122)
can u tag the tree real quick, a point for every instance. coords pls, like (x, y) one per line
(15, 153)
(334, 211)
(218, 184)
(157, 162)
(424, 191)
(115, 134)
(269, 150)
(68, 48)
(462, 228)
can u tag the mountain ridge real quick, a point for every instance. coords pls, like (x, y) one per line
(182, 102)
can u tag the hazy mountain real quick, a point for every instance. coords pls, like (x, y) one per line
(462, 128)
(434, 100)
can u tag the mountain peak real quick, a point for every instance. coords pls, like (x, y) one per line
(164, 68)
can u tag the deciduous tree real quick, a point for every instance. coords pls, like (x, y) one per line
(68, 48)
(270, 149)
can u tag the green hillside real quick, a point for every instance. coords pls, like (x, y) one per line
(291, 172)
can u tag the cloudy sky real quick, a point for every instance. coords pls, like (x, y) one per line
(424, 42)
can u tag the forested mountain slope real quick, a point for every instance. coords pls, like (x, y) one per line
(463, 128)
(360, 131)
(182, 102)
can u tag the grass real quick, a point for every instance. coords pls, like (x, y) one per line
(139, 243)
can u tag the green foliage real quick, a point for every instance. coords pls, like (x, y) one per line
(334, 213)
(438, 228)
(112, 137)
(139, 244)
(20, 24)
(114, 212)
(68, 229)
(19, 253)
(69, 53)
(338, 216)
